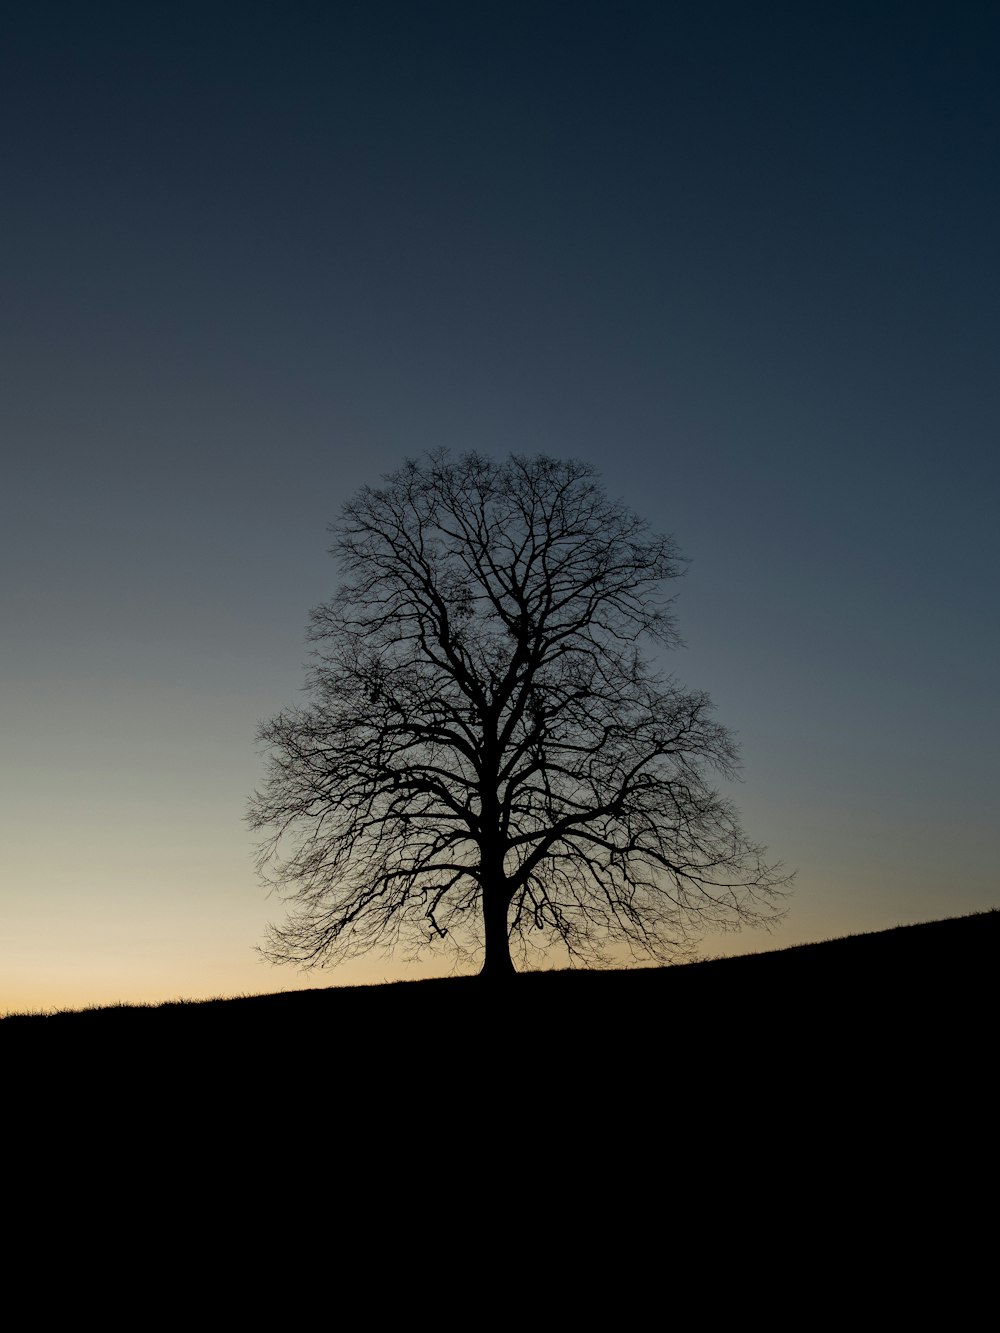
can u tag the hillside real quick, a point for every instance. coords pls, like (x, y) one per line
(833, 1049)
(940, 969)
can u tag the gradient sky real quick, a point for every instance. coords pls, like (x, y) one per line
(741, 257)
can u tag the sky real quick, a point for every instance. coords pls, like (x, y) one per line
(742, 258)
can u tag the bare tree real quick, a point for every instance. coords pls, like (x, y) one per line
(488, 756)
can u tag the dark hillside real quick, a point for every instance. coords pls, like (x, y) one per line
(943, 963)
(914, 983)
(855, 1056)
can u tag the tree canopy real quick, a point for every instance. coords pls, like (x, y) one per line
(490, 757)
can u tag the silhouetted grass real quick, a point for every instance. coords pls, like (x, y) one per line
(943, 958)
(908, 984)
(819, 1068)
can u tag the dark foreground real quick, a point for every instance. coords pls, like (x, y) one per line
(840, 1090)
(914, 996)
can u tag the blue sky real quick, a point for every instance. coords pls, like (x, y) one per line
(742, 258)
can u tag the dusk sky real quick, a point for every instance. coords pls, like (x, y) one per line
(742, 257)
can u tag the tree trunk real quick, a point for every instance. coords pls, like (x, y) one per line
(497, 963)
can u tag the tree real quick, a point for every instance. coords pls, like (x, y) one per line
(488, 755)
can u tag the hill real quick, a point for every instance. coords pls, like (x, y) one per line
(851, 1057)
(915, 980)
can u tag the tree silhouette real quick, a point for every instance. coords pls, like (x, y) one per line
(488, 757)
